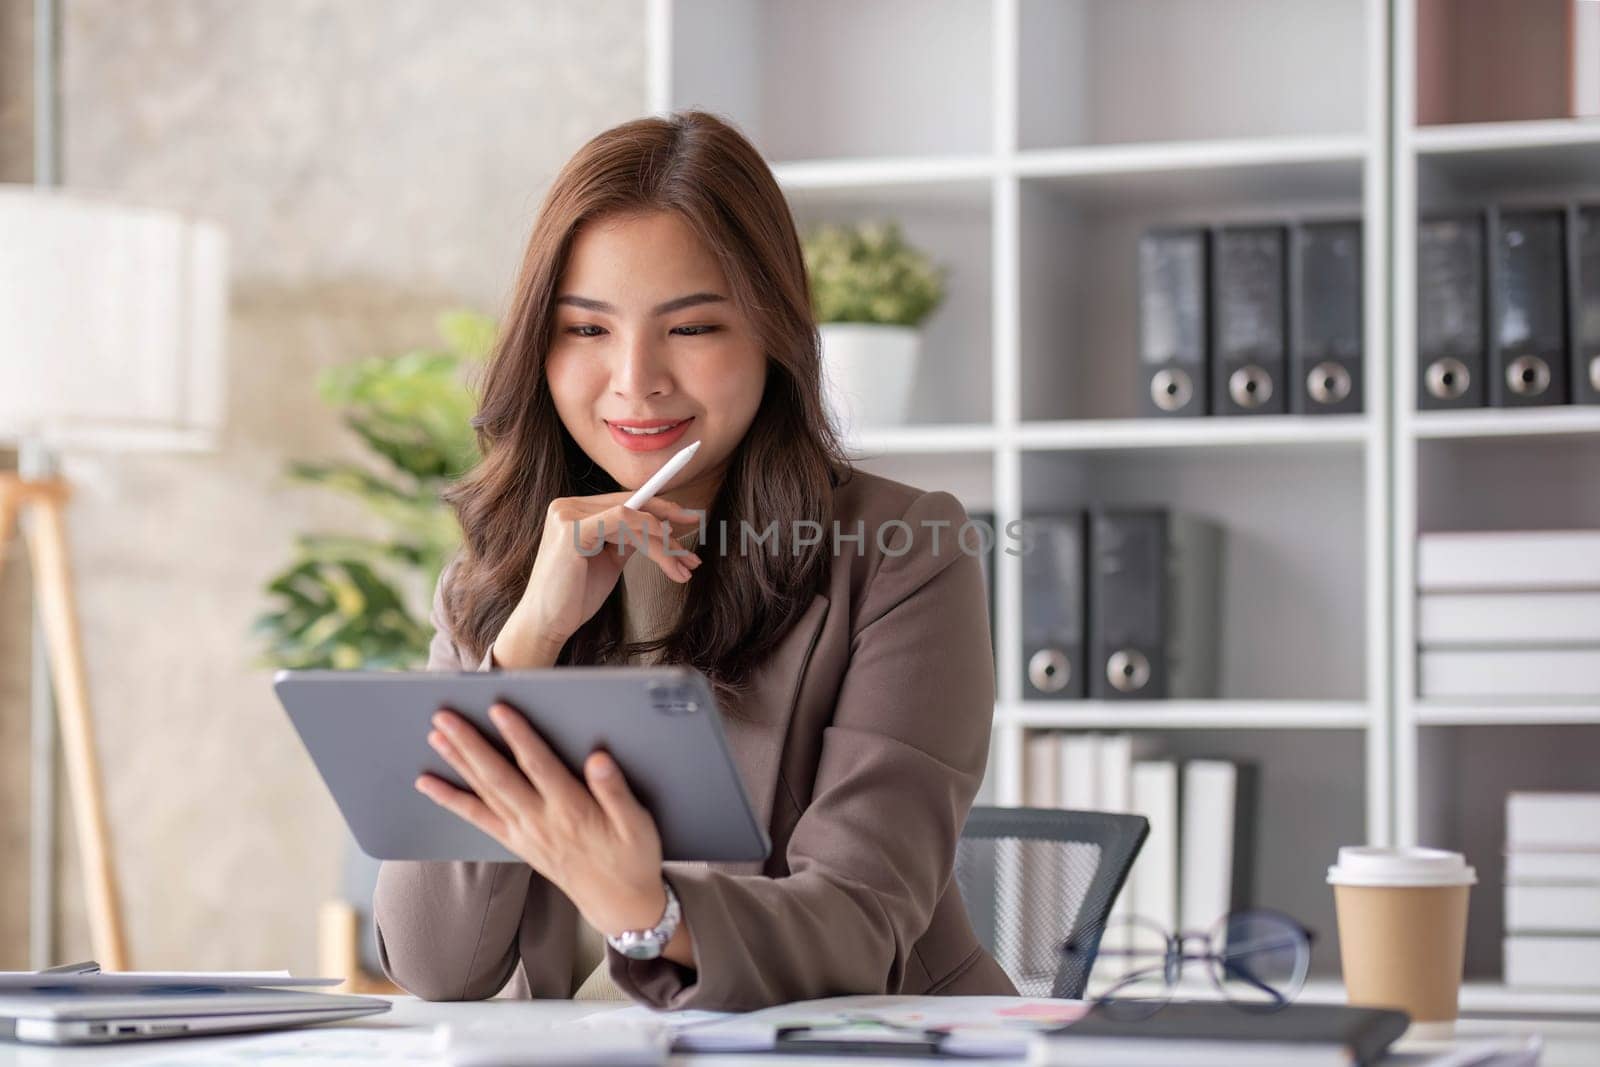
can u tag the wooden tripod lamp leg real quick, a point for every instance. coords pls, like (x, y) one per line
(10, 504)
(47, 545)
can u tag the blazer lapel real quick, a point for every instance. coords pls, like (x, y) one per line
(757, 728)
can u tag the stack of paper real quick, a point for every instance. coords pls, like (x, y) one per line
(1553, 890)
(1508, 615)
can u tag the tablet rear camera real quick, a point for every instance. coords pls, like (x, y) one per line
(673, 699)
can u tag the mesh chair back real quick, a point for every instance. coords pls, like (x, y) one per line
(1034, 879)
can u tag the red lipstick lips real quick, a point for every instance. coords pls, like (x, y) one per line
(647, 435)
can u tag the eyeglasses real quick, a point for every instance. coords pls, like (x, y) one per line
(1257, 960)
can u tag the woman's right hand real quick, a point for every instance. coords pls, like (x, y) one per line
(576, 570)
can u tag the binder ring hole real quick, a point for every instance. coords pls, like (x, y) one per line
(1528, 376)
(1128, 670)
(1049, 670)
(1250, 387)
(1448, 379)
(1171, 389)
(1328, 383)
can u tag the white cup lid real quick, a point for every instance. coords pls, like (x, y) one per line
(1365, 866)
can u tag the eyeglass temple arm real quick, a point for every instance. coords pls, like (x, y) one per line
(1245, 975)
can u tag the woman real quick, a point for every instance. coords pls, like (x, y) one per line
(663, 300)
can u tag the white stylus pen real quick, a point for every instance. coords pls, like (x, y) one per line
(657, 481)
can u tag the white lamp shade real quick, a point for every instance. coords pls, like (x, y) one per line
(112, 324)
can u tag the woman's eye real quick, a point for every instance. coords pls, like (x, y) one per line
(695, 331)
(585, 331)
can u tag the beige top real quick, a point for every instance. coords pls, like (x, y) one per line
(652, 603)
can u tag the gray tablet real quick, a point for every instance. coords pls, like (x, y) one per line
(367, 732)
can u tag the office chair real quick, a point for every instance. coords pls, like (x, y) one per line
(1035, 878)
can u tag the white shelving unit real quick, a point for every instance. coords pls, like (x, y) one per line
(1026, 143)
(1480, 469)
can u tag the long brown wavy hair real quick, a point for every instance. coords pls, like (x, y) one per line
(738, 604)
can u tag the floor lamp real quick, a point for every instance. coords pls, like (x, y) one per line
(112, 321)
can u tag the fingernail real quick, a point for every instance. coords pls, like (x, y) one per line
(498, 713)
(441, 721)
(604, 768)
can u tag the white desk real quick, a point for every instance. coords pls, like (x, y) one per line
(1567, 1044)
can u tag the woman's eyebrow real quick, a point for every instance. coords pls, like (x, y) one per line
(675, 304)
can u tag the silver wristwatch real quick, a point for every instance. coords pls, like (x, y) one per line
(648, 944)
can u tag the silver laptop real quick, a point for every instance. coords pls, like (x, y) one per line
(75, 1017)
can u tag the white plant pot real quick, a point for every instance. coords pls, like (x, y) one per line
(867, 371)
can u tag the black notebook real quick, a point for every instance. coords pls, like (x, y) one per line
(1199, 1033)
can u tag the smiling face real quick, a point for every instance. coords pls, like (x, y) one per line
(649, 353)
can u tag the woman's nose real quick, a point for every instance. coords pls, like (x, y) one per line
(640, 369)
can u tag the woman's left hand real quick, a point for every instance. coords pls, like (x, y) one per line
(597, 844)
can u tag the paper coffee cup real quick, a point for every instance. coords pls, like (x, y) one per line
(1402, 916)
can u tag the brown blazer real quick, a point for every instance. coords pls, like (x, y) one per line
(862, 743)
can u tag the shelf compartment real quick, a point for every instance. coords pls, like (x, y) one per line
(1187, 714)
(839, 78)
(1292, 617)
(953, 223)
(1078, 266)
(1464, 775)
(1112, 71)
(1310, 800)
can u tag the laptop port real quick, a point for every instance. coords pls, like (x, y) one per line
(127, 1029)
(98, 1028)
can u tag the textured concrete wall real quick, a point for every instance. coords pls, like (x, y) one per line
(374, 161)
(16, 90)
(16, 165)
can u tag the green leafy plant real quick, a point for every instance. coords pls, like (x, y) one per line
(868, 273)
(342, 603)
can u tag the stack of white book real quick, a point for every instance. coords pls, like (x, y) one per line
(1509, 615)
(1553, 890)
(1195, 865)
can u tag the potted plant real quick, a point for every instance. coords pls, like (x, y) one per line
(347, 601)
(870, 291)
